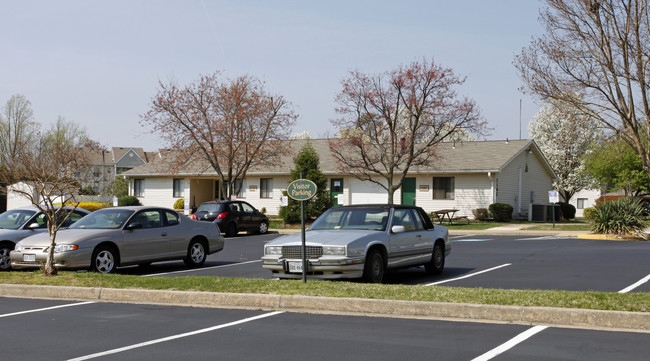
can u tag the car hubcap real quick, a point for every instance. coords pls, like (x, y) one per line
(437, 257)
(197, 253)
(376, 268)
(264, 227)
(4, 258)
(104, 262)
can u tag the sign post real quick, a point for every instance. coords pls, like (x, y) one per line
(553, 197)
(302, 190)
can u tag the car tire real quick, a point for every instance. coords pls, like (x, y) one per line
(231, 229)
(104, 260)
(437, 263)
(264, 227)
(5, 260)
(196, 254)
(373, 269)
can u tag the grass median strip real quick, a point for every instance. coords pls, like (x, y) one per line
(637, 302)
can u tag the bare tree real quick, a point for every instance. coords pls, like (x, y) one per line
(392, 121)
(232, 125)
(17, 127)
(45, 172)
(599, 50)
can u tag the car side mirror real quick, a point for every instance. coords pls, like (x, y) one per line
(134, 225)
(34, 226)
(398, 229)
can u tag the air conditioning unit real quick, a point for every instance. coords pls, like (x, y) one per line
(543, 212)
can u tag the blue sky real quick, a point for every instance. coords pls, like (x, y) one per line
(98, 63)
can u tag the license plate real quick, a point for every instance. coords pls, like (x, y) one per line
(29, 257)
(295, 267)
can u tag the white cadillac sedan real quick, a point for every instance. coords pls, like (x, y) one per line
(120, 236)
(361, 242)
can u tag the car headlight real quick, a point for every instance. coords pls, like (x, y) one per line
(273, 250)
(333, 251)
(65, 248)
(18, 248)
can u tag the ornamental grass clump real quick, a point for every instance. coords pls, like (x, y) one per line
(619, 216)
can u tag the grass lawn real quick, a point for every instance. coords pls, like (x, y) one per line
(639, 302)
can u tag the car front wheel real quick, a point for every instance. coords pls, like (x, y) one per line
(104, 260)
(437, 263)
(195, 254)
(373, 270)
(5, 260)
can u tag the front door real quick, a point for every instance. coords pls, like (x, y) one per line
(336, 188)
(408, 191)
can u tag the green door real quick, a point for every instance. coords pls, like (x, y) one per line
(408, 191)
(336, 188)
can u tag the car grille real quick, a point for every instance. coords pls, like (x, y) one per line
(295, 252)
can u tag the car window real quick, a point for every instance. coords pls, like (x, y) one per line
(209, 207)
(352, 218)
(15, 218)
(404, 217)
(419, 225)
(41, 220)
(104, 219)
(234, 207)
(75, 216)
(247, 208)
(172, 218)
(148, 219)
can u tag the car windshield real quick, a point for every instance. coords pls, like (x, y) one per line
(210, 207)
(15, 218)
(104, 219)
(352, 218)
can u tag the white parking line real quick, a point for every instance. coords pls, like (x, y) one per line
(469, 275)
(174, 337)
(511, 343)
(201, 268)
(637, 284)
(46, 309)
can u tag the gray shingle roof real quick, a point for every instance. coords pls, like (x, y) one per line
(465, 157)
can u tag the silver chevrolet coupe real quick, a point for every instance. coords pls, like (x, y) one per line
(361, 241)
(120, 236)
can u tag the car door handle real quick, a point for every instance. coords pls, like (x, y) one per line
(164, 234)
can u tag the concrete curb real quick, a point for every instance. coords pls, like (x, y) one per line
(559, 317)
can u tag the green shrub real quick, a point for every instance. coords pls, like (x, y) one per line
(179, 204)
(568, 210)
(128, 201)
(589, 212)
(263, 210)
(481, 214)
(618, 216)
(500, 212)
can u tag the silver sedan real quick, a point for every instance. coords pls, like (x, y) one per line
(120, 236)
(361, 242)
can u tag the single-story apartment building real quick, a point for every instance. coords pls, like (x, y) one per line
(464, 176)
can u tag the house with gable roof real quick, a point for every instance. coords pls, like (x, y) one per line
(464, 176)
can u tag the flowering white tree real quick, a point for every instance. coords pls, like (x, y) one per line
(565, 135)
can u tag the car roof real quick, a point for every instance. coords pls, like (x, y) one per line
(139, 208)
(382, 205)
(34, 208)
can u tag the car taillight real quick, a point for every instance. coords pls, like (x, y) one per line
(222, 215)
(194, 216)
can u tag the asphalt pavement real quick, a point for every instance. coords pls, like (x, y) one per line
(559, 317)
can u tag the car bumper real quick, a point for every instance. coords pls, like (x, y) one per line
(65, 260)
(323, 268)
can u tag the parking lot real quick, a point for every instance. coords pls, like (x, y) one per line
(90, 330)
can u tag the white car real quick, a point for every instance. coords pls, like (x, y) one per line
(361, 242)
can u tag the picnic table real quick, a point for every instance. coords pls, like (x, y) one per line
(450, 214)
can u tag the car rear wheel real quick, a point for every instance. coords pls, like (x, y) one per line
(231, 229)
(437, 263)
(5, 260)
(264, 227)
(373, 270)
(195, 254)
(104, 260)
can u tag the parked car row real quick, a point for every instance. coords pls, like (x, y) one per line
(345, 242)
